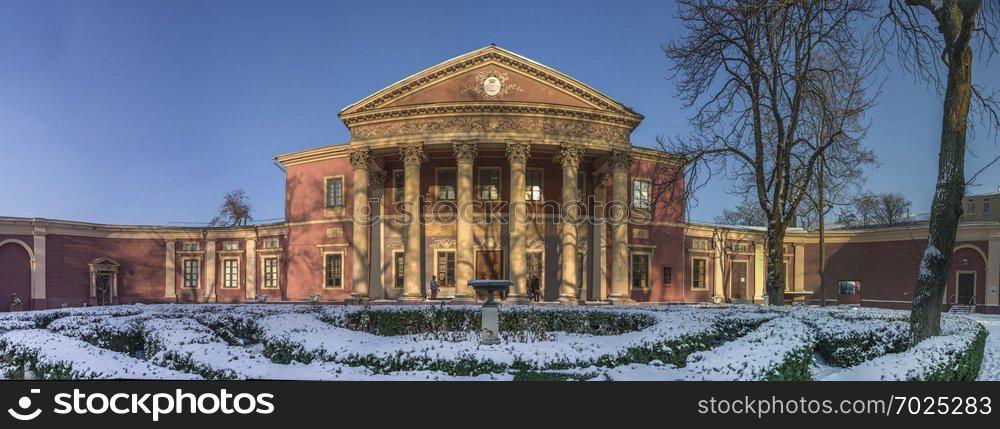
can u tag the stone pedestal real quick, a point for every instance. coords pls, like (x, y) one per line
(490, 332)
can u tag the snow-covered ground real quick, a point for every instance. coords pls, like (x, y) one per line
(302, 342)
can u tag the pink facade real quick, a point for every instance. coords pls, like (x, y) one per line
(470, 141)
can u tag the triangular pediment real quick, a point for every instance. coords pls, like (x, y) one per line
(490, 75)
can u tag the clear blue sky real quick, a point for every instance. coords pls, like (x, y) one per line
(148, 112)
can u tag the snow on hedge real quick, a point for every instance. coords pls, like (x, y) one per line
(954, 355)
(847, 338)
(303, 337)
(780, 349)
(310, 342)
(53, 356)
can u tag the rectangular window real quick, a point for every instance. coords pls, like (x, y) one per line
(986, 207)
(741, 248)
(398, 186)
(270, 272)
(230, 245)
(446, 269)
(189, 246)
(698, 273)
(446, 185)
(533, 185)
(271, 243)
(849, 287)
(334, 270)
(640, 195)
(698, 244)
(192, 272)
(581, 183)
(489, 184)
(230, 273)
(972, 208)
(398, 263)
(335, 192)
(640, 271)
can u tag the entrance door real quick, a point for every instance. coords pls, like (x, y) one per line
(738, 280)
(489, 265)
(15, 278)
(966, 288)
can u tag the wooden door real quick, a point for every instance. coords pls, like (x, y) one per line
(966, 288)
(738, 280)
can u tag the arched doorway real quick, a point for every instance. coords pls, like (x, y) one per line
(15, 276)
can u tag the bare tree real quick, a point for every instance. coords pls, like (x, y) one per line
(931, 36)
(747, 213)
(747, 68)
(235, 210)
(891, 209)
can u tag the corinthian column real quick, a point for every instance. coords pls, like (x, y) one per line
(599, 278)
(569, 156)
(413, 155)
(517, 153)
(620, 163)
(465, 156)
(360, 261)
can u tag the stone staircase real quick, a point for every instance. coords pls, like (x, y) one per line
(962, 309)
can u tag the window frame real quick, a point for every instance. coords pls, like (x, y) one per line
(694, 273)
(230, 245)
(190, 246)
(197, 273)
(277, 272)
(326, 192)
(647, 202)
(648, 266)
(541, 184)
(438, 253)
(438, 186)
(398, 269)
(481, 188)
(326, 268)
(230, 276)
(398, 186)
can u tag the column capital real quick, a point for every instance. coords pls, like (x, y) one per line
(518, 150)
(360, 158)
(620, 159)
(412, 153)
(569, 155)
(465, 151)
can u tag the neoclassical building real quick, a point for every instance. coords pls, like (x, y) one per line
(488, 165)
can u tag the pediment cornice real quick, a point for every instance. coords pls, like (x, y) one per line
(498, 57)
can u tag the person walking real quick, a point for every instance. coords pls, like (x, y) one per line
(434, 287)
(534, 289)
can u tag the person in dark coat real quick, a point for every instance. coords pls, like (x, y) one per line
(534, 289)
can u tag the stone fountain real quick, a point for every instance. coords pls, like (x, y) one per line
(490, 331)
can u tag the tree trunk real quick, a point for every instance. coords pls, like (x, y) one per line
(946, 208)
(775, 264)
(821, 212)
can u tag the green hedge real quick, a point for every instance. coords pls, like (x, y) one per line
(966, 363)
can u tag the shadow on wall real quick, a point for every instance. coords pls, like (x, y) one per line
(15, 277)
